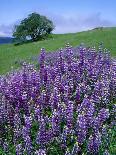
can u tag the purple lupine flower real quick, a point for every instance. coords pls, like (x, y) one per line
(105, 136)
(78, 96)
(19, 149)
(28, 145)
(46, 137)
(17, 128)
(86, 107)
(81, 128)
(17, 135)
(56, 123)
(28, 122)
(42, 66)
(25, 131)
(41, 138)
(40, 152)
(64, 134)
(27, 140)
(37, 112)
(94, 143)
(85, 119)
(55, 98)
(102, 116)
(69, 114)
(42, 58)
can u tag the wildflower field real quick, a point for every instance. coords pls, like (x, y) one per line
(63, 106)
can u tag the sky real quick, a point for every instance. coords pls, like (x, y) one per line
(68, 16)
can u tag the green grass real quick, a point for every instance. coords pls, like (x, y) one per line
(9, 54)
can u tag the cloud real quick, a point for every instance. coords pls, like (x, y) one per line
(2, 34)
(67, 23)
(6, 30)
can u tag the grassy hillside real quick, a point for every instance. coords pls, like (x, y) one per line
(10, 54)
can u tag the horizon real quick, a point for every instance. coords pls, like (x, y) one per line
(67, 16)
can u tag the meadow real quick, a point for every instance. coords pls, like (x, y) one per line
(10, 54)
(63, 102)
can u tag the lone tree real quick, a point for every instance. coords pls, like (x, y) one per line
(34, 27)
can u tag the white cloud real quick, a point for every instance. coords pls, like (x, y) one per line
(66, 24)
(3, 34)
(6, 30)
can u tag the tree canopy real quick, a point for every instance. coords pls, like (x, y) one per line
(34, 27)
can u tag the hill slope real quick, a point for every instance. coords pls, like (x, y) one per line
(5, 40)
(10, 54)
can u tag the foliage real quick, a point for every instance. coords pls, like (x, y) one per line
(34, 26)
(65, 107)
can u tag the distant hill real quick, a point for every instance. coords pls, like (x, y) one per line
(6, 40)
